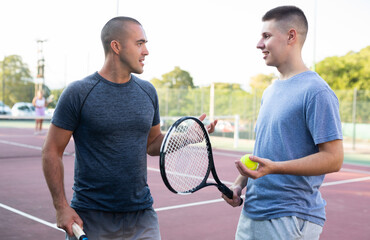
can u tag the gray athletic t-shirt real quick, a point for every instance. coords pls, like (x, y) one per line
(110, 124)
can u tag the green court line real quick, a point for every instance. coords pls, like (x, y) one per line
(357, 158)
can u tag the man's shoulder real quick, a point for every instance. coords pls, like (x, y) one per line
(84, 83)
(142, 82)
(144, 85)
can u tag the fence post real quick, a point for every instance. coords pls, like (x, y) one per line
(212, 103)
(354, 119)
(236, 131)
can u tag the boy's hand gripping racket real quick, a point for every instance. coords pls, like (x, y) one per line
(186, 158)
(78, 232)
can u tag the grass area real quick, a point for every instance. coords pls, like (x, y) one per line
(357, 158)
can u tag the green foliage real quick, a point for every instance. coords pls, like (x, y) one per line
(177, 78)
(18, 84)
(261, 81)
(229, 86)
(56, 93)
(16, 81)
(347, 72)
(347, 98)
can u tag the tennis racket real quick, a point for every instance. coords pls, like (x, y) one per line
(78, 232)
(186, 159)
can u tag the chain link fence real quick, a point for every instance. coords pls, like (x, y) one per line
(237, 111)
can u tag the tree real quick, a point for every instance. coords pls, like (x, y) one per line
(56, 93)
(177, 78)
(16, 81)
(347, 72)
(18, 84)
(261, 81)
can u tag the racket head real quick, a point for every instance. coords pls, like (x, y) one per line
(184, 156)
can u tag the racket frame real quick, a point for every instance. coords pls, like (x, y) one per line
(211, 166)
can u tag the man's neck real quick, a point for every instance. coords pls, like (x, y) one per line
(114, 73)
(287, 75)
(292, 68)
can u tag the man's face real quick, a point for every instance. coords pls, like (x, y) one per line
(134, 48)
(273, 44)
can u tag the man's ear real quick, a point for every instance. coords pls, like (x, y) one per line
(292, 36)
(116, 46)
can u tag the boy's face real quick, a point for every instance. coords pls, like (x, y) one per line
(273, 43)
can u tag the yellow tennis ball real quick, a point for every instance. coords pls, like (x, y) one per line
(249, 163)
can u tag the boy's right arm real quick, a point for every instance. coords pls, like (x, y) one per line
(239, 183)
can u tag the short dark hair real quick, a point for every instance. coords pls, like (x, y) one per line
(291, 15)
(113, 30)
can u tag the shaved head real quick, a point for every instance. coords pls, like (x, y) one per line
(288, 17)
(115, 29)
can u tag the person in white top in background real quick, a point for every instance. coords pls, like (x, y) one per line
(40, 103)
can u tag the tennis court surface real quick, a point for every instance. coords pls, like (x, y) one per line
(26, 210)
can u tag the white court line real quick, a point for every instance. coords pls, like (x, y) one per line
(169, 207)
(354, 170)
(29, 146)
(345, 181)
(30, 217)
(189, 205)
(21, 145)
(236, 155)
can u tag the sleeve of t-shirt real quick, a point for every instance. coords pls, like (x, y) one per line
(322, 116)
(156, 118)
(66, 114)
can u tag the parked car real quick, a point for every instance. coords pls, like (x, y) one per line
(23, 109)
(4, 109)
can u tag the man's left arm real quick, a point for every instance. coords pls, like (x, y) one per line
(328, 159)
(155, 137)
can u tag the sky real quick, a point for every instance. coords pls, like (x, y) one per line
(213, 40)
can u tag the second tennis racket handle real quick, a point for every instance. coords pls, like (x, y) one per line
(78, 232)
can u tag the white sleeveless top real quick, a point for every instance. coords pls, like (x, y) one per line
(40, 103)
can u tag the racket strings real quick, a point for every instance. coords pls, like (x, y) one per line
(186, 157)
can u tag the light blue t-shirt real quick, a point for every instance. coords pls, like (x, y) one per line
(110, 124)
(295, 116)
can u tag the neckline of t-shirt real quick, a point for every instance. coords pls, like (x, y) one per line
(101, 78)
(297, 76)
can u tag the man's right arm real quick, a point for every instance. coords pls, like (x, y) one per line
(52, 163)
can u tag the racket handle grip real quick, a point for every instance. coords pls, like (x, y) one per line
(78, 232)
(227, 192)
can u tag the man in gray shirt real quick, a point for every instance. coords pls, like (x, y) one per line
(114, 119)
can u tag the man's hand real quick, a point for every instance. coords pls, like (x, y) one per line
(265, 166)
(66, 216)
(210, 127)
(235, 202)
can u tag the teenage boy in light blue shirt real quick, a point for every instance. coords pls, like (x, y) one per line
(298, 140)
